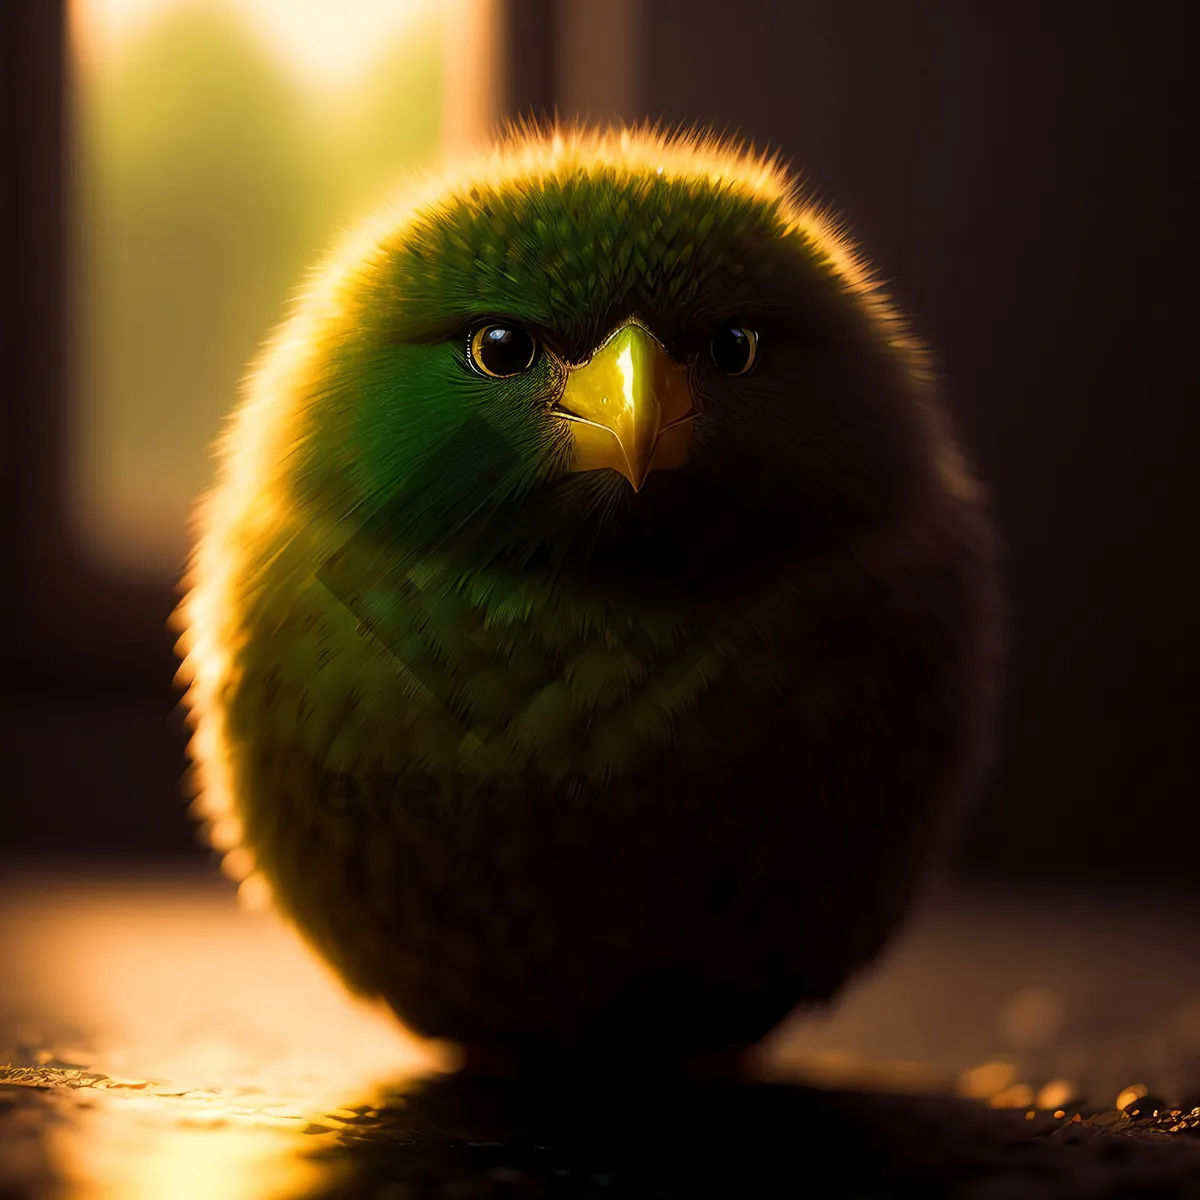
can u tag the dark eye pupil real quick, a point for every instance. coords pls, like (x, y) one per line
(732, 349)
(505, 351)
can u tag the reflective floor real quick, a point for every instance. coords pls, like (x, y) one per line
(161, 1042)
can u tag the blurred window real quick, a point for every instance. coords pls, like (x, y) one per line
(220, 144)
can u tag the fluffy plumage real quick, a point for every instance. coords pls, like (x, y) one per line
(693, 746)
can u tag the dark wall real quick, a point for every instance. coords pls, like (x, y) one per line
(1026, 177)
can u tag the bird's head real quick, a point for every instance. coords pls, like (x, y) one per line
(622, 356)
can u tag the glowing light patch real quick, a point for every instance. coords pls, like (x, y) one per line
(213, 1038)
(1128, 1095)
(325, 44)
(625, 366)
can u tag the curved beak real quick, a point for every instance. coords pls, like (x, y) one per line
(630, 407)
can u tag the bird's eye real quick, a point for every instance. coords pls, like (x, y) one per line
(501, 350)
(735, 349)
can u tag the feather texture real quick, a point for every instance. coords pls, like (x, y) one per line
(541, 760)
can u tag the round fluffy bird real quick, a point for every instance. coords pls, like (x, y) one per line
(590, 636)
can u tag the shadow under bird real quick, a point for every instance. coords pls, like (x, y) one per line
(591, 635)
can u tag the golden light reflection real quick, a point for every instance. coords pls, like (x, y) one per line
(238, 864)
(988, 1080)
(225, 833)
(1055, 1094)
(138, 1162)
(1018, 1095)
(254, 893)
(625, 367)
(201, 1039)
(779, 1060)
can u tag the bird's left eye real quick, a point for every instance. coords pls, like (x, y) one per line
(498, 351)
(735, 349)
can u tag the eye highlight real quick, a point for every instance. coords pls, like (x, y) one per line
(734, 349)
(499, 351)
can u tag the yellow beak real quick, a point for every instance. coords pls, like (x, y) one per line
(630, 408)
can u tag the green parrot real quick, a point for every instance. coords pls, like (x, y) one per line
(592, 633)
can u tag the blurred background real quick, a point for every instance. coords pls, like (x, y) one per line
(1025, 177)
(1023, 174)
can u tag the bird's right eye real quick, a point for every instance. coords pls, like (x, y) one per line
(735, 349)
(499, 351)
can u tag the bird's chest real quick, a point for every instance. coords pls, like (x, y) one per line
(430, 700)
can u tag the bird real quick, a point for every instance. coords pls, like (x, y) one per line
(592, 636)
